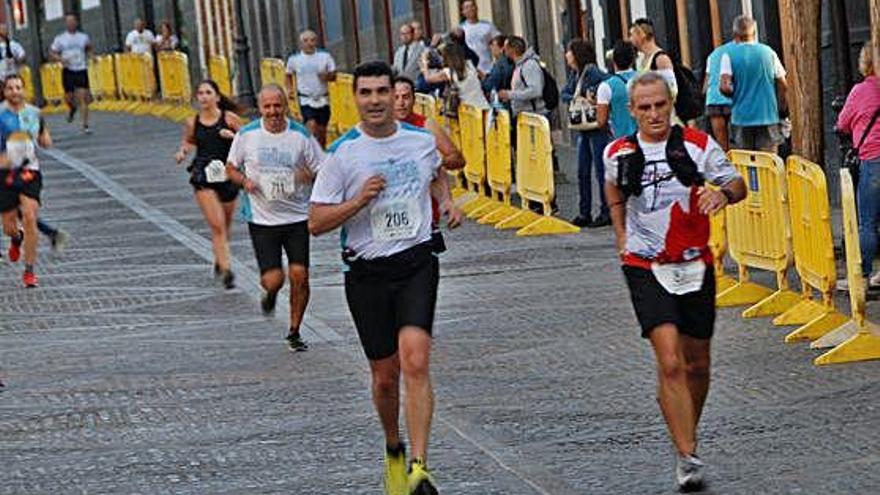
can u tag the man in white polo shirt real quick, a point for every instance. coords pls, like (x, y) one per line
(376, 185)
(478, 34)
(313, 69)
(274, 159)
(140, 39)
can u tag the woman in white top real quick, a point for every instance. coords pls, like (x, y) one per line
(166, 40)
(459, 72)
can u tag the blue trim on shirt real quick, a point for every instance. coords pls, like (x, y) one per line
(409, 127)
(293, 125)
(252, 126)
(351, 135)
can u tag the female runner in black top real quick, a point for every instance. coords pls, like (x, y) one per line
(210, 133)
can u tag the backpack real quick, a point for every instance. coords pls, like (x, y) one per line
(689, 103)
(550, 94)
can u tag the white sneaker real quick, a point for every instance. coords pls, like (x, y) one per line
(874, 281)
(689, 473)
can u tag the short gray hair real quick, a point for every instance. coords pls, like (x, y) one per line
(273, 87)
(648, 78)
(744, 26)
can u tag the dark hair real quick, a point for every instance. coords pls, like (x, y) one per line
(454, 59)
(624, 56)
(372, 69)
(517, 43)
(11, 77)
(164, 23)
(226, 102)
(583, 51)
(499, 40)
(404, 80)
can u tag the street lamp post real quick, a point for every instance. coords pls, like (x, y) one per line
(245, 82)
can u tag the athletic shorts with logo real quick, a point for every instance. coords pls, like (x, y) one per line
(19, 182)
(386, 294)
(693, 313)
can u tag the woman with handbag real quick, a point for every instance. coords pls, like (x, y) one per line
(859, 119)
(461, 77)
(580, 94)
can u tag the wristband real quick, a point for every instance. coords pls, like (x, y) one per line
(727, 194)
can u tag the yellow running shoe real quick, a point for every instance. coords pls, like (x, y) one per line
(421, 482)
(395, 471)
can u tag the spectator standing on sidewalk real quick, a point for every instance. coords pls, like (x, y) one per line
(753, 76)
(859, 118)
(583, 83)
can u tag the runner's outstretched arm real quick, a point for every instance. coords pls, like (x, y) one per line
(617, 205)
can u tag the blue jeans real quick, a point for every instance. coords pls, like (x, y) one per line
(591, 146)
(869, 207)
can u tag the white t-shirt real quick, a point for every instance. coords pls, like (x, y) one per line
(140, 42)
(400, 217)
(477, 35)
(312, 91)
(469, 89)
(271, 160)
(9, 66)
(72, 48)
(172, 42)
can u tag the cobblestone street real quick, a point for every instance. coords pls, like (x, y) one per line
(131, 371)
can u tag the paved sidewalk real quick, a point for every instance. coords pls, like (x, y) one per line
(131, 371)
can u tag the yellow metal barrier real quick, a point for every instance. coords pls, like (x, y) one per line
(176, 86)
(272, 71)
(473, 140)
(426, 106)
(53, 90)
(759, 236)
(348, 115)
(218, 69)
(102, 81)
(498, 169)
(534, 179)
(858, 339)
(334, 126)
(813, 252)
(718, 245)
(137, 82)
(28, 78)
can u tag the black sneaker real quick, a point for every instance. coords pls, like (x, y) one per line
(70, 115)
(581, 221)
(217, 271)
(267, 304)
(228, 280)
(600, 221)
(296, 343)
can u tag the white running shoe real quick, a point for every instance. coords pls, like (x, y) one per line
(689, 473)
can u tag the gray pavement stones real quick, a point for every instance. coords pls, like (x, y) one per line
(130, 371)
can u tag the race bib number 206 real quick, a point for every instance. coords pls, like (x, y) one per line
(395, 220)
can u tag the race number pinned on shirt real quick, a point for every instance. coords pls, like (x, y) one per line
(277, 186)
(20, 149)
(680, 278)
(216, 172)
(395, 220)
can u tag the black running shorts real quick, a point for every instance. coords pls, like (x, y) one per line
(268, 241)
(320, 115)
(9, 196)
(387, 294)
(693, 314)
(226, 191)
(74, 79)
